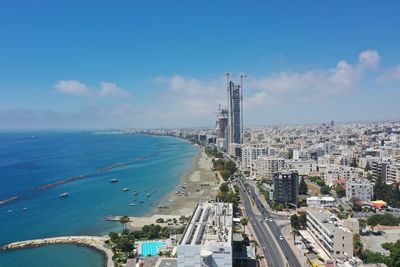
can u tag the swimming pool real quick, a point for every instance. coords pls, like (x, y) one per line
(151, 248)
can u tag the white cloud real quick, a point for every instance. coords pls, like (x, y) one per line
(74, 87)
(369, 59)
(319, 82)
(390, 75)
(111, 89)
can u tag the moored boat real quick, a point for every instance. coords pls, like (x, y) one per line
(113, 180)
(63, 194)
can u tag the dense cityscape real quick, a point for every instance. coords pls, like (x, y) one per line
(336, 185)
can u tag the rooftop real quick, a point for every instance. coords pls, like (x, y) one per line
(211, 223)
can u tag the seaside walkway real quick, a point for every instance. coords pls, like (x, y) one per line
(95, 242)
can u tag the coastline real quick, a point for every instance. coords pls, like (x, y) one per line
(196, 185)
(94, 242)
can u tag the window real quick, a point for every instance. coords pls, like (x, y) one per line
(337, 252)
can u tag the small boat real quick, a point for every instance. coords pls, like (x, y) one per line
(135, 193)
(148, 195)
(24, 208)
(10, 211)
(132, 204)
(141, 201)
(125, 189)
(63, 194)
(114, 180)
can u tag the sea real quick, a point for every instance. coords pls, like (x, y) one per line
(36, 167)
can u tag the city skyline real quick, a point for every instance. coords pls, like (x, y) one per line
(99, 65)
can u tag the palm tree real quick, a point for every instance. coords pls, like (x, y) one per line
(124, 220)
(244, 222)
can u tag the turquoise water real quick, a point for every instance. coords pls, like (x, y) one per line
(151, 248)
(140, 162)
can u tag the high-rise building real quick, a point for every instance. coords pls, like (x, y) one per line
(286, 187)
(235, 109)
(222, 122)
(360, 189)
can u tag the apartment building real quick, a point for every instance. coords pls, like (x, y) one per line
(360, 189)
(330, 233)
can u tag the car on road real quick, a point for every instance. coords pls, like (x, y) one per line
(261, 220)
(271, 220)
(281, 237)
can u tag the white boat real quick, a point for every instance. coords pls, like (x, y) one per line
(132, 204)
(114, 180)
(125, 189)
(148, 195)
(63, 194)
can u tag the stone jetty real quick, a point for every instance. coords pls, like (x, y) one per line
(95, 242)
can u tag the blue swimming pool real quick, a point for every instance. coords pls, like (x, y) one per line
(151, 248)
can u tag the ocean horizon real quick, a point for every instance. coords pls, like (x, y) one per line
(36, 167)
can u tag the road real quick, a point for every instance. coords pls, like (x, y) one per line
(291, 258)
(266, 243)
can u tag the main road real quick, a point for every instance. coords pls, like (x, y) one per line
(287, 251)
(268, 233)
(265, 240)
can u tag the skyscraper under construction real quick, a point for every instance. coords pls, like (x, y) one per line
(235, 111)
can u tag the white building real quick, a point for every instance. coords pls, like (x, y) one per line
(360, 189)
(333, 172)
(267, 166)
(207, 240)
(320, 202)
(330, 233)
(303, 167)
(250, 155)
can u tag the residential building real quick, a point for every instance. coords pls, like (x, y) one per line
(360, 189)
(286, 187)
(266, 167)
(330, 233)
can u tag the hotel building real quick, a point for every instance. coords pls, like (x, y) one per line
(207, 240)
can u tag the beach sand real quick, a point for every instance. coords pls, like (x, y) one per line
(194, 190)
(200, 184)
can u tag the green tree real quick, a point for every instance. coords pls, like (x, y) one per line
(244, 221)
(224, 187)
(320, 182)
(303, 189)
(357, 246)
(294, 222)
(325, 189)
(124, 220)
(394, 258)
(303, 220)
(372, 257)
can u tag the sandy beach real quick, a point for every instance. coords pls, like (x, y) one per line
(198, 184)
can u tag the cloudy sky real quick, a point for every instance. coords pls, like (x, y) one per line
(105, 64)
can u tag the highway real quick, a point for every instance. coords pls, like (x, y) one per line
(291, 258)
(268, 233)
(266, 243)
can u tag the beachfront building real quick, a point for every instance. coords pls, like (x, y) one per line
(333, 236)
(207, 239)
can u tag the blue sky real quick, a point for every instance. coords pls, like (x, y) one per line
(103, 64)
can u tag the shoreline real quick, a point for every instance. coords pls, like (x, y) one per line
(196, 185)
(96, 243)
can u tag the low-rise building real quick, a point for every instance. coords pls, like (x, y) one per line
(330, 233)
(207, 239)
(320, 202)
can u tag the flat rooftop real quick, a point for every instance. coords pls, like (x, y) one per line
(327, 220)
(211, 223)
